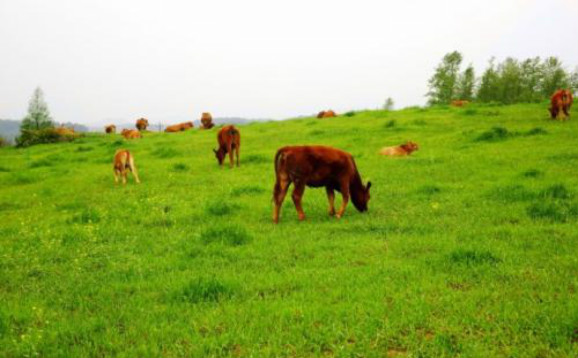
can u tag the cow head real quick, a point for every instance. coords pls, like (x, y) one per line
(361, 197)
(220, 155)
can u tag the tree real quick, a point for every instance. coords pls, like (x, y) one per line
(442, 85)
(510, 82)
(38, 116)
(466, 84)
(531, 80)
(489, 85)
(554, 78)
(574, 80)
(388, 105)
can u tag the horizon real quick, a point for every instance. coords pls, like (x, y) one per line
(170, 62)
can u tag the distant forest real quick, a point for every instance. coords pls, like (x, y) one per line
(507, 82)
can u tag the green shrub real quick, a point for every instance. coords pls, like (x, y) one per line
(349, 114)
(494, 135)
(48, 135)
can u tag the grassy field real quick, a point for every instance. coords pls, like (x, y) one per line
(469, 248)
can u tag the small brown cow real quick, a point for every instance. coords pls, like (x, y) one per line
(130, 134)
(560, 104)
(179, 127)
(317, 166)
(460, 103)
(229, 140)
(110, 129)
(400, 150)
(326, 114)
(142, 124)
(123, 162)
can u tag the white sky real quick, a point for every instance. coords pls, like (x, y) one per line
(114, 61)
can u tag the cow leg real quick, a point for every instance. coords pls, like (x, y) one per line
(230, 151)
(116, 174)
(133, 170)
(124, 176)
(345, 195)
(279, 192)
(331, 198)
(297, 195)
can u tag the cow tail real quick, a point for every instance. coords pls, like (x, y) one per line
(277, 186)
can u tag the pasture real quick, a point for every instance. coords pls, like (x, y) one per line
(469, 247)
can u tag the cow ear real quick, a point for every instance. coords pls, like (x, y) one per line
(368, 185)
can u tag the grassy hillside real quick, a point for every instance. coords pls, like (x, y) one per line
(469, 247)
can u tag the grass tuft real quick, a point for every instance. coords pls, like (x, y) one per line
(556, 212)
(256, 159)
(87, 216)
(205, 290)
(473, 257)
(229, 235)
(494, 135)
(533, 173)
(180, 167)
(247, 189)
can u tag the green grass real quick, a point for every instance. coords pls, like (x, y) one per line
(469, 247)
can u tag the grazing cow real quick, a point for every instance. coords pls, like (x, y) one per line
(229, 140)
(326, 114)
(130, 134)
(317, 166)
(207, 121)
(460, 103)
(124, 161)
(110, 129)
(142, 124)
(179, 127)
(401, 150)
(560, 104)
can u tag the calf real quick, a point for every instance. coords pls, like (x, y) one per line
(318, 166)
(124, 161)
(400, 150)
(229, 140)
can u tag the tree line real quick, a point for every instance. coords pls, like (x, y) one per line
(507, 82)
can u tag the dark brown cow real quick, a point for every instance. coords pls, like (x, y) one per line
(142, 124)
(229, 140)
(560, 104)
(181, 127)
(317, 166)
(110, 129)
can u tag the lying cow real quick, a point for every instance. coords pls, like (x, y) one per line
(179, 127)
(317, 166)
(326, 114)
(110, 129)
(560, 104)
(142, 124)
(123, 162)
(130, 134)
(400, 150)
(460, 103)
(229, 140)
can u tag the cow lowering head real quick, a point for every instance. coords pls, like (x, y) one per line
(220, 155)
(360, 196)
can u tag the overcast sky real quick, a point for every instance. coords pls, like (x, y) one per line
(114, 61)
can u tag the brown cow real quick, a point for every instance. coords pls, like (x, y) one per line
(229, 140)
(142, 124)
(207, 121)
(326, 114)
(560, 104)
(460, 103)
(401, 150)
(123, 161)
(317, 166)
(130, 134)
(179, 127)
(110, 128)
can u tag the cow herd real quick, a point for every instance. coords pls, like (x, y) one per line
(312, 166)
